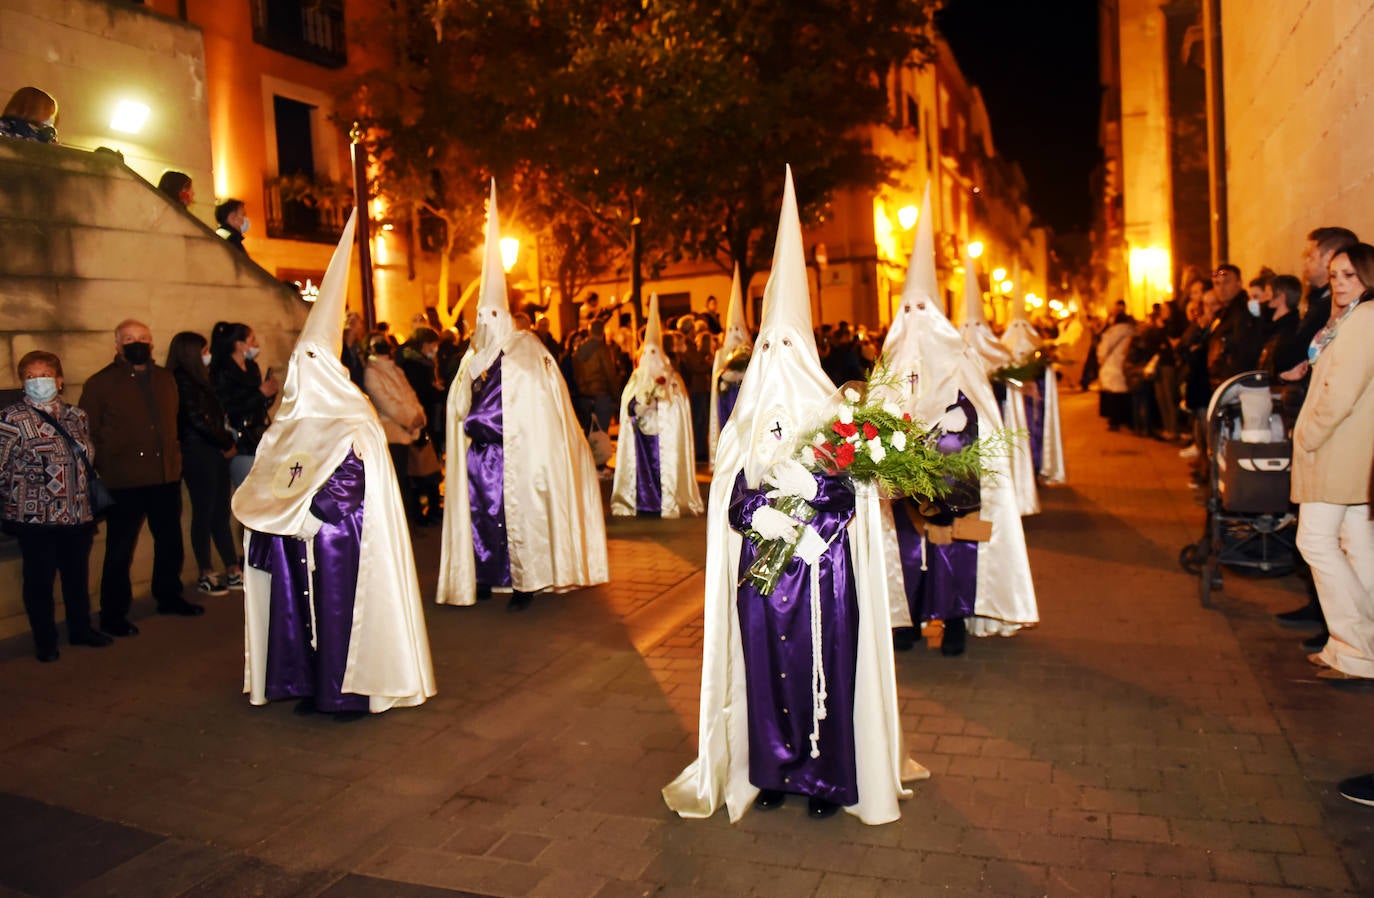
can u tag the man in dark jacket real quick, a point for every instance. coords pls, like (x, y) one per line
(132, 407)
(598, 383)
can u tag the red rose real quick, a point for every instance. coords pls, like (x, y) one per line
(906, 416)
(843, 429)
(660, 380)
(869, 431)
(844, 456)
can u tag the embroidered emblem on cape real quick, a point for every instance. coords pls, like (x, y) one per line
(773, 435)
(293, 475)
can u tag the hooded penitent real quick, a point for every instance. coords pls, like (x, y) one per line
(322, 497)
(725, 380)
(655, 472)
(760, 706)
(1041, 397)
(523, 507)
(986, 347)
(933, 372)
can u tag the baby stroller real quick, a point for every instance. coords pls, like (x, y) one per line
(1251, 526)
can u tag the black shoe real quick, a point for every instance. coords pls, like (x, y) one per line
(955, 638)
(1359, 789)
(904, 638)
(93, 638)
(47, 656)
(1316, 643)
(182, 608)
(483, 592)
(770, 799)
(304, 708)
(119, 628)
(1309, 615)
(348, 716)
(519, 601)
(819, 808)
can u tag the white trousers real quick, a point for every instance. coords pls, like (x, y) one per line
(1338, 543)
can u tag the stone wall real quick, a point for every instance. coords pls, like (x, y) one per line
(1299, 125)
(90, 54)
(87, 243)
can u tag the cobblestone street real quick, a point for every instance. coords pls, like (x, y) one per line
(1135, 744)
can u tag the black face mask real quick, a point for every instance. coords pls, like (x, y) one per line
(137, 353)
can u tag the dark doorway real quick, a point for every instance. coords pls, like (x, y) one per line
(295, 148)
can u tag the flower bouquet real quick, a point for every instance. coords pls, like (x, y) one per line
(732, 373)
(645, 413)
(870, 441)
(1025, 371)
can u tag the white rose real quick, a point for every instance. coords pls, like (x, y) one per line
(846, 414)
(807, 456)
(852, 394)
(876, 450)
(899, 440)
(892, 409)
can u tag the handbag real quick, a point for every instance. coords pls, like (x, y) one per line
(102, 500)
(600, 443)
(424, 461)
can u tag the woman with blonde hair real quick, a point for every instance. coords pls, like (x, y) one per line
(29, 115)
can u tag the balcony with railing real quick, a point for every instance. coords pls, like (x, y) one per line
(310, 209)
(312, 30)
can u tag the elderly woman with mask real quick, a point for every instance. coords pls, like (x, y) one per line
(45, 453)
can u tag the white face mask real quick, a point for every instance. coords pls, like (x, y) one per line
(1254, 307)
(205, 358)
(243, 228)
(41, 389)
(251, 353)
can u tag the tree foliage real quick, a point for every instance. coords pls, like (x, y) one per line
(597, 114)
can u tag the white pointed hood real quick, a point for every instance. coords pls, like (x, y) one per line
(494, 322)
(784, 384)
(736, 331)
(923, 352)
(1021, 338)
(975, 330)
(653, 361)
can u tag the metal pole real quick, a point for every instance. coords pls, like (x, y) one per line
(364, 227)
(636, 261)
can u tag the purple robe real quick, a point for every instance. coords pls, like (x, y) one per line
(1035, 419)
(776, 634)
(725, 404)
(948, 587)
(294, 668)
(648, 474)
(485, 428)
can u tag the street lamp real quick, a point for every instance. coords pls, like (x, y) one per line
(906, 217)
(975, 249)
(1006, 286)
(999, 274)
(510, 252)
(129, 116)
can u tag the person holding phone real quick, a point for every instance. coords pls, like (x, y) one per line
(242, 390)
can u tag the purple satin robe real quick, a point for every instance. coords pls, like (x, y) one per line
(1035, 420)
(948, 588)
(485, 428)
(294, 669)
(776, 635)
(648, 473)
(725, 405)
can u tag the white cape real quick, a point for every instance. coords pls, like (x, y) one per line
(1053, 469)
(677, 473)
(555, 528)
(720, 774)
(1022, 462)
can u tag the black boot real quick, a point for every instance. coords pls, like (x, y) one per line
(904, 639)
(519, 600)
(956, 634)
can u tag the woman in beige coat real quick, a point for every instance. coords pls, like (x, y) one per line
(1333, 443)
(398, 408)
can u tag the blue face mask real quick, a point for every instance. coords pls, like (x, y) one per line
(41, 389)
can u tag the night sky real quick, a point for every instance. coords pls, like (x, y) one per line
(1036, 65)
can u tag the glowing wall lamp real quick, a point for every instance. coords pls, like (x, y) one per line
(906, 217)
(999, 274)
(1006, 286)
(510, 252)
(975, 249)
(129, 116)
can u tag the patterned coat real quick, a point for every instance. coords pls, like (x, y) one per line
(42, 481)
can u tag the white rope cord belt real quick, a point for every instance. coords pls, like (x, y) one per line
(810, 549)
(310, 591)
